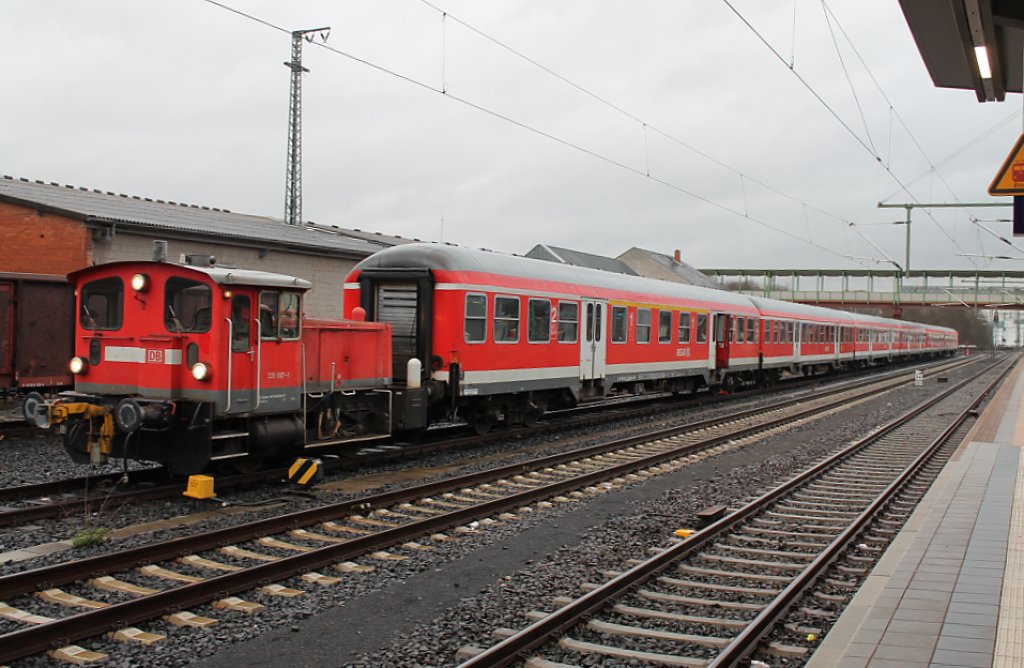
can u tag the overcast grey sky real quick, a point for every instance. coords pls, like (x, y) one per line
(187, 101)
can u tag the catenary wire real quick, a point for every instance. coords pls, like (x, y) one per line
(539, 132)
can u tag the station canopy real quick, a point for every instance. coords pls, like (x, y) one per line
(962, 41)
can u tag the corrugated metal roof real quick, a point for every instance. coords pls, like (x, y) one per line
(579, 259)
(189, 219)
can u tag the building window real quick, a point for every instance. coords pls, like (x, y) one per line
(187, 305)
(102, 304)
(684, 327)
(539, 324)
(664, 326)
(643, 325)
(619, 321)
(506, 319)
(474, 329)
(568, 321)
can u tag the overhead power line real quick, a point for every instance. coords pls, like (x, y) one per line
(592, 153)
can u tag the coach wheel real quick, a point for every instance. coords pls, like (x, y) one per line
(482, 424)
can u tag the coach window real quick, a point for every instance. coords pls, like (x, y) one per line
(475, 327)
(684, 327)
(739, 330)
(569, 321)
(643, 325)
(751, 330)
(702, 327)
(241, 317)
(664, 326)
(619, 322)
(187, 305)
(539, 324)
(101, 304)
(506, 319)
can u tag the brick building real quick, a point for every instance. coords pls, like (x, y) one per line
(48, 228)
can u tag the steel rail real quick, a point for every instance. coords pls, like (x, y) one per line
(37, 639)
(115, 499)
(540, 632)
(750, 637)
(23, 582)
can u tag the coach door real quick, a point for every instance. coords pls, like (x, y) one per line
(592, 347)
(723, 331)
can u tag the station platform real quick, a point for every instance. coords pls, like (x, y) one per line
(949, 591)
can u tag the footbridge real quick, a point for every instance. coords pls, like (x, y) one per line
(975, 289)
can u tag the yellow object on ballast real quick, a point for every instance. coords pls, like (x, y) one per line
(684, 533)
(200, 487)
(305, 472)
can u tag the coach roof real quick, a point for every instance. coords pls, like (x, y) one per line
(457, 259)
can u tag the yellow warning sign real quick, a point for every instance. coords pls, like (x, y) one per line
(1010, 178)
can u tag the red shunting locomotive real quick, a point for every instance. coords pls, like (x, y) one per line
(195, 363)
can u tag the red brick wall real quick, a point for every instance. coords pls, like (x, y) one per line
(41, 243)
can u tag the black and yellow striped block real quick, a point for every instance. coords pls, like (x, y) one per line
(305, 472)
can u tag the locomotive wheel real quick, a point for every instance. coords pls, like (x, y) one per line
(247, 465)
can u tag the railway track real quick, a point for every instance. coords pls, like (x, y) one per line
(25, 504)
(141, 584)
(786, 561)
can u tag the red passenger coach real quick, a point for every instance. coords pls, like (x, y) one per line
(509, 337)
(505, 337)
(198, 363)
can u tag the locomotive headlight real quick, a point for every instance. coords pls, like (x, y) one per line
(140, 282)
(78, 366)
(201, 371)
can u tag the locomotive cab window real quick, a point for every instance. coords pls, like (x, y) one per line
(506, 319)
(241, 319)
(619, 322)
(280, 313)
(102, 304)
(568, 321)
(539, 325)
(475, 328)
(664, 326)
(187, 305)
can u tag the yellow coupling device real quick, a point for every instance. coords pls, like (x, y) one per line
(101, 441)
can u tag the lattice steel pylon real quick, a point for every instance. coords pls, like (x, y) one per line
(293, 195)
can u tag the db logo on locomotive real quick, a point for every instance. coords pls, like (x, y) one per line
(154, 356)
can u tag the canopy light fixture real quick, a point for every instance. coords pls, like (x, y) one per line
(981, 55)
